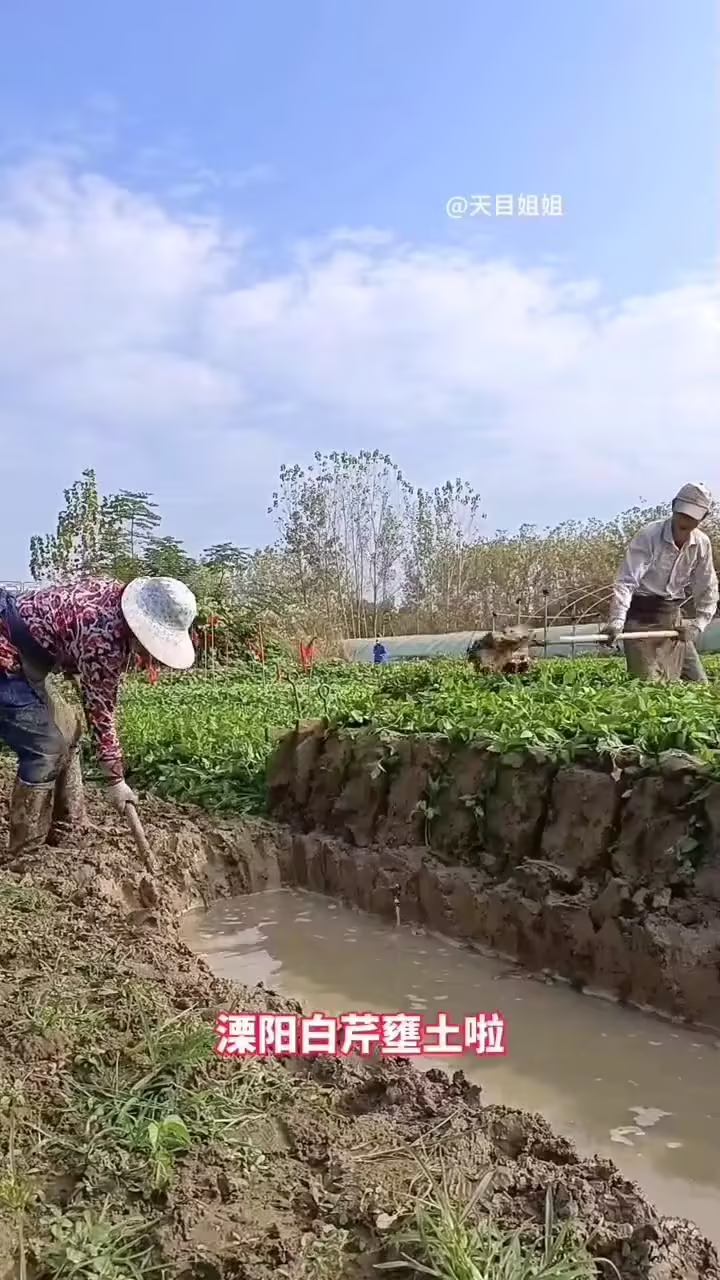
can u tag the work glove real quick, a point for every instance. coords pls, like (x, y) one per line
(688, 631)
(612, 630)
(120, 794)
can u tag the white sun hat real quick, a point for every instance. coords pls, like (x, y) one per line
(694, 500)
(160, 613)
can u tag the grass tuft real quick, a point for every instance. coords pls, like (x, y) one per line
(91, 1244)
(450, 1234)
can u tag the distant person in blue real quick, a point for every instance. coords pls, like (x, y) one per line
(380, 653)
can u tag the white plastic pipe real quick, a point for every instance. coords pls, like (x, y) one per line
(624, 635)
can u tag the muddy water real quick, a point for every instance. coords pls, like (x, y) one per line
(639, 1090)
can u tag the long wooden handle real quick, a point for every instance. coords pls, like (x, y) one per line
(623, 635)
(139, 836)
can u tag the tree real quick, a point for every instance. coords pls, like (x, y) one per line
(217, 578)
(110, 537)
(136, 518)
(301, 513)
(167, 558)
(79, 546)
(341, 529)
(225, 562)
(132, 519)
(442, 533)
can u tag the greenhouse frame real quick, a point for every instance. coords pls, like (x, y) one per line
(455, 644)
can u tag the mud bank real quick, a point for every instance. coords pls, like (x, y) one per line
(606, 876)
(130, 1144)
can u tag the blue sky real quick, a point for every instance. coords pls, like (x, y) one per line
(229, 148)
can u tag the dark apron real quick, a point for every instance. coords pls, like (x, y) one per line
(653, 659)
(653, 611)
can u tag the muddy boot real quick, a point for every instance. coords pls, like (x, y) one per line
(68, 813)
(30, 818)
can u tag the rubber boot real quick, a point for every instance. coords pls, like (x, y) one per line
(30, 818)
(68, 812)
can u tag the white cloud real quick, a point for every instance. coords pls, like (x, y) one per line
(145, 341)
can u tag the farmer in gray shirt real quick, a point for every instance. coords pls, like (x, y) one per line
(666, 563)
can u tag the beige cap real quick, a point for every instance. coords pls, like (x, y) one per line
(694, 500)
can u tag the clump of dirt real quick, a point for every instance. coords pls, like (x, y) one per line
(131, 1150)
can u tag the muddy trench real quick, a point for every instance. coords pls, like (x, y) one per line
(95, 969)
(607, 876)
(619, 1083)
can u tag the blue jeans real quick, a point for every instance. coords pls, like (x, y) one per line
(28, 728)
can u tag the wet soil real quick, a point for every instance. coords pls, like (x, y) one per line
(103, 1005)
(619, 1083)
(607, 875)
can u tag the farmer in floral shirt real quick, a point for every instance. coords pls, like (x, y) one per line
(92, 630)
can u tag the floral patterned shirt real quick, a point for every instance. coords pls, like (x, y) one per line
(82, 625)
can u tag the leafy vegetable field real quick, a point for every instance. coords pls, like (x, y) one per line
(207, 740)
